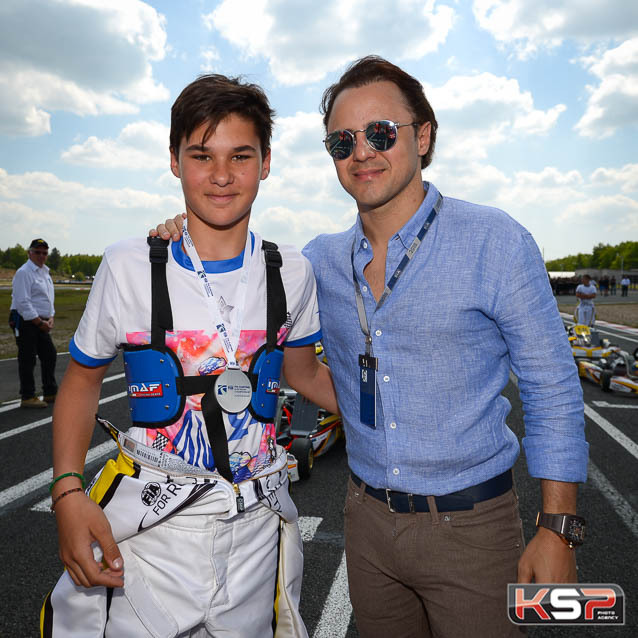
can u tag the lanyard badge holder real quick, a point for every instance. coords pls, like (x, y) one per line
(369, 364)
(233, 389)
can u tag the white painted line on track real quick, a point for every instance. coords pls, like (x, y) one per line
(40, 480)
(60, 354)
(35, 424)
(613, 431)
(308, 526)
(12, 405)
(337, 609)
(620, 505)
(621, 406)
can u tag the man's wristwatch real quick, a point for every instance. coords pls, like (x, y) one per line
(569, 527)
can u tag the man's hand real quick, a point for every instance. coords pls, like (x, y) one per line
(171, 229)
(45, 326)
(547, 559)
(82, 522)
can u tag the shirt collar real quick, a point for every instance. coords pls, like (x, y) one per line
(410, 229)
(35, 268)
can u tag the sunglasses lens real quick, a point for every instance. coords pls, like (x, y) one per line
(339, 144)
(381, 135)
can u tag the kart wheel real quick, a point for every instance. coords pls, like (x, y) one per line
(605, 379)
(301, 449)
(636, 354)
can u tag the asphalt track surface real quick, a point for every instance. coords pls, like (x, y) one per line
(609, 502)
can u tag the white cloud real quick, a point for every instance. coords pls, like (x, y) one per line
(565, 211)
(529, 26)
(302, 170)
(626, 178)
(303, 41)
(479, 111)
(611, 213)
(294, 226)
(611, 104)
(209, 55)
(83, 56)
(302, 196)
(62, 211)
(139, 146)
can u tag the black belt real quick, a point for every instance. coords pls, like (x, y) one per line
(456, 501)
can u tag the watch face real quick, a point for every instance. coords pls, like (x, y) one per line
(575, 530)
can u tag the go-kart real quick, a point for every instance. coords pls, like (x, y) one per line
(586, 343)
(305, 431)
(616, 372)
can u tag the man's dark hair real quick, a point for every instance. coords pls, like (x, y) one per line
(213, 97)
(373, 68)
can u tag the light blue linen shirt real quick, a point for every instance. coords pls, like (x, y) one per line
(474, 302)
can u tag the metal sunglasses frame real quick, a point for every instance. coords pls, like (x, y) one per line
(353, 137)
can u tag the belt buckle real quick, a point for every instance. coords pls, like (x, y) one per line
(389, 500)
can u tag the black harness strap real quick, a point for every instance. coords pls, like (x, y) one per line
(214, 420)
(162, 320)
(161, 314)
(276, 311)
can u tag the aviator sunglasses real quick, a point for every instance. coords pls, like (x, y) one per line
(380, 135)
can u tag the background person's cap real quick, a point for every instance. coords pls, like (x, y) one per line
(38, 243)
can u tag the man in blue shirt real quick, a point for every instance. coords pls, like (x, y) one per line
(432, 528)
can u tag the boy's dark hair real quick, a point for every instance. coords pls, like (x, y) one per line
(213, 97)
(373, 68)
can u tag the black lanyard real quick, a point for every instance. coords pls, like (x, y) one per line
(363, 319)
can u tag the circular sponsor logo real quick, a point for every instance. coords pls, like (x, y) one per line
(150, 493)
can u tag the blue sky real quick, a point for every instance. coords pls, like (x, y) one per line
(537, 103)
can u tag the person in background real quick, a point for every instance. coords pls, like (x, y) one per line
(585, 312)
(31, 318)
(624, 286)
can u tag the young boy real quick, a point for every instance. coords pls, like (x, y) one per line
(180, 535)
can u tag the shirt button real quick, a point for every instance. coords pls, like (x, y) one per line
(378, 333)
(365, 244)
(393, 425)
(386, 378)
(395, 471)
(365, 288)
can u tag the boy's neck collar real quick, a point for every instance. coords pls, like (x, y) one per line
(218, 266)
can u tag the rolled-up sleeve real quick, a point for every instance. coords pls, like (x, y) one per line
(541, 359)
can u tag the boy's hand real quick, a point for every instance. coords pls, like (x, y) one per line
(81, 523)
(171, 229)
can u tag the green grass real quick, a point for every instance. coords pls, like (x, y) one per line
(69, 306)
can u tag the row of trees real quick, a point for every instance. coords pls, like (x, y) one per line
(78, 266)
(619, 257)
